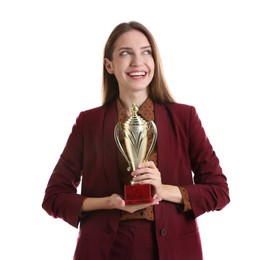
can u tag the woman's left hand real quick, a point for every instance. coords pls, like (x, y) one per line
(148, 173)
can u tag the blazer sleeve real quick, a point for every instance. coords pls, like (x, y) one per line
(61, 199)
(210, 189)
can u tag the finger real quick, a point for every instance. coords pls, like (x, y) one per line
(144, 170)
(146, 178)
(136, 207)
(122, 203)
(156, 197)
(149, 164)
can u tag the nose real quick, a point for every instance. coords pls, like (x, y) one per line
(136, 60)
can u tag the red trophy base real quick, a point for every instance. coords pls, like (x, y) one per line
(137, 194)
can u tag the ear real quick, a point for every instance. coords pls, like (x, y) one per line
(108, 66)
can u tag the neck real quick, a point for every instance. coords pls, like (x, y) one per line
(128, 101)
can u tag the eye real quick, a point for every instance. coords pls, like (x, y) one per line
(125, 53)
(148, 52)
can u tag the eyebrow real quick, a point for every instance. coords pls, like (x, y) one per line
(128, 48)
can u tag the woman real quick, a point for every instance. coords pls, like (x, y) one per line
(183, 168)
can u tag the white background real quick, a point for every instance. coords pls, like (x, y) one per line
(215, 56)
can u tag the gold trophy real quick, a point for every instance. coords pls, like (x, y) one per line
(135, 133)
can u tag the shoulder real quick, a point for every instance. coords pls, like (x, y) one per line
(179, 106)
(98, 114)
(92, 113)
(89, 117)
(180, 110)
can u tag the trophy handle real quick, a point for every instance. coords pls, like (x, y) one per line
(154, 138)
(117, 129)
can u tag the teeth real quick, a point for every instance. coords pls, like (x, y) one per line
(137, 73)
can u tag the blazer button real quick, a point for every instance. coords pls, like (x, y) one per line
(163, 232)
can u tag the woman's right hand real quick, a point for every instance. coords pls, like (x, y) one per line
(117, 202)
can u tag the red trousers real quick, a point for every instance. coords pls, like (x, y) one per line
(135, 241)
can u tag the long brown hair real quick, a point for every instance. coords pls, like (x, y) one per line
(158, 89)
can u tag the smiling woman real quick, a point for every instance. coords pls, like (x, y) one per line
(110, 228)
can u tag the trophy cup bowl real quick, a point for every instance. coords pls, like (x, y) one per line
(135, 132)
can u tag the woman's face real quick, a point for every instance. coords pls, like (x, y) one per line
(132, 62)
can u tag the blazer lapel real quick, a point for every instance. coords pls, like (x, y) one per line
(110, 149)
(164, 140)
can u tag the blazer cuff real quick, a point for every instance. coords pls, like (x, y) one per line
(186, 207)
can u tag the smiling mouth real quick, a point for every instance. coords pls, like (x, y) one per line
(137, 74)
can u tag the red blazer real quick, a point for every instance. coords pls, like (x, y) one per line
(185, 158)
